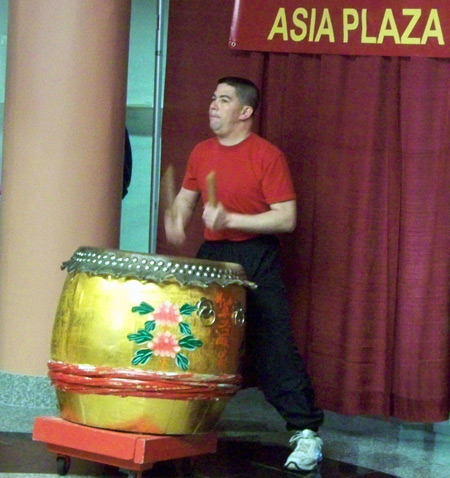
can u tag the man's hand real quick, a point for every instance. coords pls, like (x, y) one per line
(215, 217)
(178, 214)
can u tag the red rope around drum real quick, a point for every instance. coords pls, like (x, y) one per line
(87, 379)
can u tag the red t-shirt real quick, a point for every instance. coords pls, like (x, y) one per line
(250, 176)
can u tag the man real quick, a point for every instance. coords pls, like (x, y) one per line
(256, 200)
(127, 165)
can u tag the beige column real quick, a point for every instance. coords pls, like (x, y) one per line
(62, 158)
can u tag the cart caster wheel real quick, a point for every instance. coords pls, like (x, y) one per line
(186, 467)
(131, 473)
(62, 465)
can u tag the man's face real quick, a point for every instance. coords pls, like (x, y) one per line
(225, 110)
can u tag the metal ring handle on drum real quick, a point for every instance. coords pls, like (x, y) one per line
(205, 312)
(239, 315)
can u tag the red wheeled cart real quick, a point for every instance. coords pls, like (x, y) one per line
(131, 452)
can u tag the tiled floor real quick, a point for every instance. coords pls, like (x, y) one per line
(253, 444)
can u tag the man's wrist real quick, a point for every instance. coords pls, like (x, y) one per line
(232, 221)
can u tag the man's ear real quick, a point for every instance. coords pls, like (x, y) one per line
(246, 112)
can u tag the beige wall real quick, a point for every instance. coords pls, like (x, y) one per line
(62, 158)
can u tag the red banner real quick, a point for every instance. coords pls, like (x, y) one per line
(350, 27)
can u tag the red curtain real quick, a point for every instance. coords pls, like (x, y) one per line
(367, 268)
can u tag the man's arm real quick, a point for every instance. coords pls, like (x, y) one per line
(177, 217)
(281, 217)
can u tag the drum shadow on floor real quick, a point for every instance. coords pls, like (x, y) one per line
(235, 458)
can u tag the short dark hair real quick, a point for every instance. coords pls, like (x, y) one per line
(246, 91)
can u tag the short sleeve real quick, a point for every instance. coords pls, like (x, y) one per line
(190, 180)
(277, 182)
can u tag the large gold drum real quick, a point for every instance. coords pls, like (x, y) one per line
(147, 343)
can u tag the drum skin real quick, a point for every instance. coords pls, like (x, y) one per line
(157, 353)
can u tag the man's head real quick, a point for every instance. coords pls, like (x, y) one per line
(232, 107)
(246, 90)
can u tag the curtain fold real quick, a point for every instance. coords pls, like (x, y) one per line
(421, 378)
(367, 268)
(354, 145)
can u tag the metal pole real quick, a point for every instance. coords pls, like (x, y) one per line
(157, 120)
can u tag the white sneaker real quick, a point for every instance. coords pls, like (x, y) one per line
(307, 453)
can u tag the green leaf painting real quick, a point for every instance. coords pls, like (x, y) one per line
(140, 337)
(187, 309)
(189, 342)
(185, 328)
(142, 356)
(182, 361)
(143, 308)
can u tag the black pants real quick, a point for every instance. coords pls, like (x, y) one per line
(280, 371)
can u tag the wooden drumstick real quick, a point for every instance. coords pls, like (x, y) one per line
(168, 188)
(211, 186)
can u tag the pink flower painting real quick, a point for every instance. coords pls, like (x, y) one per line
(167, 314)
(164, 344)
